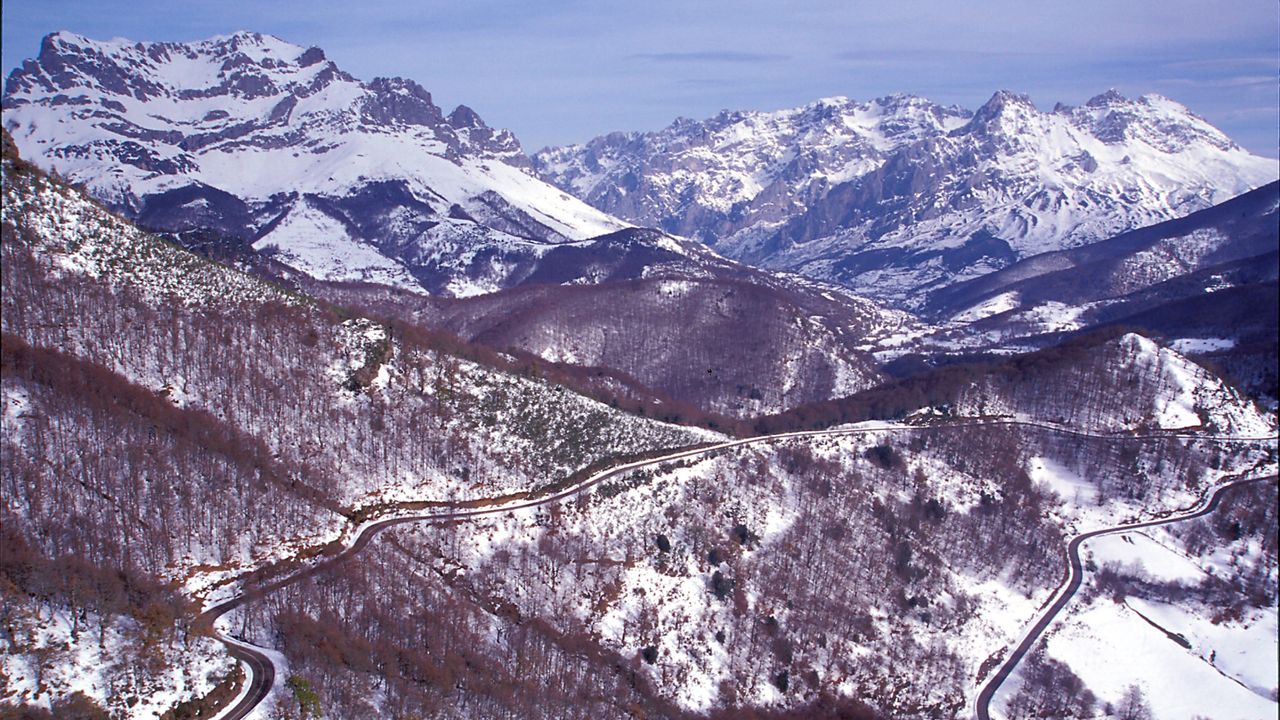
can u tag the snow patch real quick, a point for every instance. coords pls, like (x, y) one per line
(1201, 345)
(1003, 302)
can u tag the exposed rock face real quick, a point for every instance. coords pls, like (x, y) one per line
(899, 196)
(251, 142)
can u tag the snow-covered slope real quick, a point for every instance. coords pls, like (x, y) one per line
(260, 141)
(84, 285)
(78, 237)
(1205, 283)
(712, 178)
(1160, 389)
(889, 564)
(1242, 228)
(673, 317)
(898, 194)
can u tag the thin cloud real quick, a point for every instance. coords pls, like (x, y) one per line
(1267, 61)
(1226, 82)
(714, 56)
(932, 56)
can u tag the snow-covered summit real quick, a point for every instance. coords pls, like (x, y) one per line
(740, 168)
(269, 143)
(899, 195)
(228, 91)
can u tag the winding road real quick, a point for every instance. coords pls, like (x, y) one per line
(1075, 575)
(262, 670)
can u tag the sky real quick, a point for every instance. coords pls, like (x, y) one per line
(563, 71)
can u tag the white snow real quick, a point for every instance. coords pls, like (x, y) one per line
(325, 146)
(77, 236)
(103, 672)
(991, 306)
(1156, 561)
(1054, 317)
(16, 403)
(1038, 180)
(310, 240)
(1201, 345)
(1193, 390)
(1062, 481)
(1110, 647)
(1243, 650)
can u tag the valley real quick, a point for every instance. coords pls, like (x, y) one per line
(321, 401)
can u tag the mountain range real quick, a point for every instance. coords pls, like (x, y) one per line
(251, 142)
(898, 197)
(319, 401)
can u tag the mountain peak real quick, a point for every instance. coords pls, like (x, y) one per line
(895, 100)
(895, 194)
(264, 143)
(1110, 97)
(1003, 100)
(1004, 106)
(464, 117)
(833, 101)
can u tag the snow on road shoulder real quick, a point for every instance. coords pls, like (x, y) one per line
(1111, 647)
(1138, 549)
(1186, 660)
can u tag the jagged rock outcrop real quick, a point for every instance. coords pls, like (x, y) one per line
(899, 196)
(248, 142)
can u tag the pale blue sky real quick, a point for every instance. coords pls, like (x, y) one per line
(562, 71)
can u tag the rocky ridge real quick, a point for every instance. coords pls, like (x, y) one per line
(899, 196)
(249, 141)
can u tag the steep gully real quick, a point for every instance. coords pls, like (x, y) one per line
(262, 670)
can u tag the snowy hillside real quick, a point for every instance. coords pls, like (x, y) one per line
(1172, 621)
(1164, 391)
(1205, 284)
(264, 142)
(1206, 242)
(605, 471)
(734, 348)
(898, 194)
(78, 237)
(170, 423)
(885, 566)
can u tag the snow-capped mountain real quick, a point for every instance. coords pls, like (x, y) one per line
(249, 139)
(1243, 228)
(899, 195)
(711, 179)
(178, 434)
(1221, 257)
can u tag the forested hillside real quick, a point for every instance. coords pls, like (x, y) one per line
(644, 482)
(175, 429)
(735, 344)
(172, 421)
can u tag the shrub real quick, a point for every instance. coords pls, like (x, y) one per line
(721, 585)
(884, 457)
